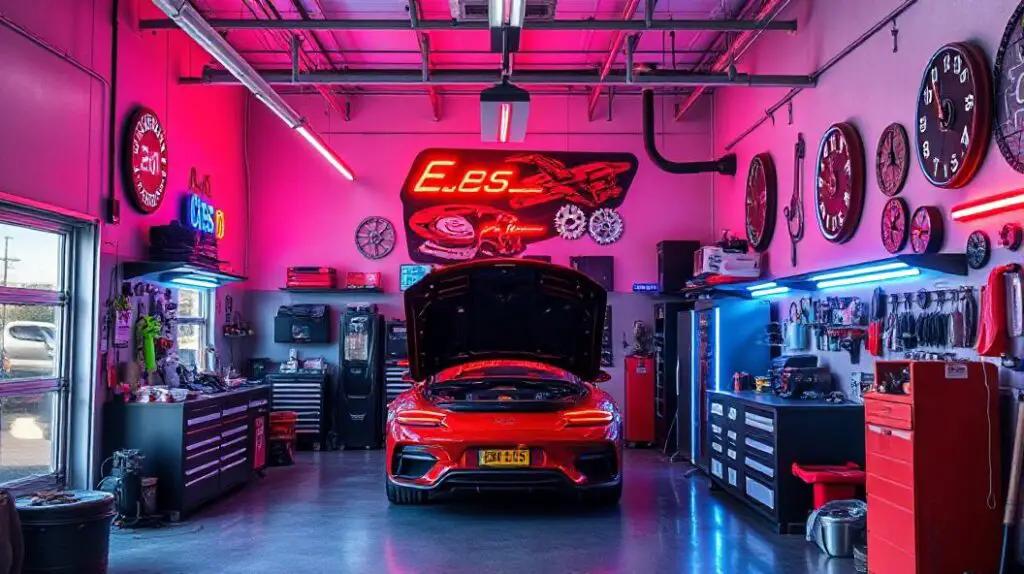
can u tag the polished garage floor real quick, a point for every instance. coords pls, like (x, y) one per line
(328, 514)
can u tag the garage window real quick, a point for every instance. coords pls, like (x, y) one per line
(35, 265)
(195, 320)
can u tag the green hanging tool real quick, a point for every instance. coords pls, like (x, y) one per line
(147, 330)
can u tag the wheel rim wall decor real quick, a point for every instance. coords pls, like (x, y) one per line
(375, 237)
(895, 240)
(892, 160)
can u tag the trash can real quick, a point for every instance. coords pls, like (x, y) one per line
(837, 526)
(66, 532)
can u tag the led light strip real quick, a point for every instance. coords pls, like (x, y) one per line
(987, 206)
(504, 122)
(869, 278)
(860, 271)
(760, 286)
(769, 292)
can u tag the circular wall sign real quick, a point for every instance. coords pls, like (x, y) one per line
(146, 160)
(1009, 81)
(892, 160)
(895, 225)
(926, 230)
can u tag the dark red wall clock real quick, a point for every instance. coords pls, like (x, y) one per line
(762, 198)
(895, 225)
(926, 230)
(1009, 115)
(146, 160)
(892, 159)
(839, 182)
(954, 115)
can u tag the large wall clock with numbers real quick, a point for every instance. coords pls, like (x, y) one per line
(839, 182)
(1009, 83)
(954, 115)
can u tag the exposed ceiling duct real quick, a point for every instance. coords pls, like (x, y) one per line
(479, 10)
(726, 165)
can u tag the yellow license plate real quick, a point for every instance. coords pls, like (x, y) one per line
(505, 457)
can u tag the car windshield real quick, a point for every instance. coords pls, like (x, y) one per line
(523, 370)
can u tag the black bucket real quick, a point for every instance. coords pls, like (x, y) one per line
(67, 538)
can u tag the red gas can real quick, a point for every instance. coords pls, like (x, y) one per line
(639, 400)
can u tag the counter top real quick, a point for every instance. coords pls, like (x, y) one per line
(770, 400)
(236, 391)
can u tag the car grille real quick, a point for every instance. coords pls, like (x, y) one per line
(412, 462)
(598, 466)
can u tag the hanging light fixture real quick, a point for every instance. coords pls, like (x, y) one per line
(504, 109)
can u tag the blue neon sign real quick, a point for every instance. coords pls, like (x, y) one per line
(199, 214)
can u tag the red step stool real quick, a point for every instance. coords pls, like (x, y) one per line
(831, 482)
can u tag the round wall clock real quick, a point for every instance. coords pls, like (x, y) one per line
(1011, 236)
(1009, 81)
(146, 160)
(926, 230)
(954, 115)
(839, 182)
(895, 225)
(892, 159)
(762, 194)
(979, 249)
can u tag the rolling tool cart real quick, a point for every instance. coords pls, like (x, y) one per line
(308, 396)
(396, 359)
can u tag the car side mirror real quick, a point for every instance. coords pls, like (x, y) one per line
(602, 377)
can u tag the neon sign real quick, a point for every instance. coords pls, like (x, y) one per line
(472, 180)
(462, 204)
(198, 212)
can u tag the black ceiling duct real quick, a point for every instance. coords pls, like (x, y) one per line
(726, 165)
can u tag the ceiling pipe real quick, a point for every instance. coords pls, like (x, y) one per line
(766, 15)
(539, 77)
(726, 165)
(552, 25)
(613, 52)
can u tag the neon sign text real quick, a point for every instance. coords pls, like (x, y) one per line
(439, 176)
(202, 216)
(513, 229)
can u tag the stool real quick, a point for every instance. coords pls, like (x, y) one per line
(831, 482)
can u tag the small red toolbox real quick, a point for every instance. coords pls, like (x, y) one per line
(312, 277)
(358, 280)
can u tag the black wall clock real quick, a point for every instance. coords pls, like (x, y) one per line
(895, 225)
(762, 198)
(892, 159)
(1009, 91)
(954, 115)
(979, 249)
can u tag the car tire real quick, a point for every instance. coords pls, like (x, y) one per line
(603, 496)
(404, 495)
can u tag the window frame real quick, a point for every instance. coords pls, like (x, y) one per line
(61, 299)
(205, 321)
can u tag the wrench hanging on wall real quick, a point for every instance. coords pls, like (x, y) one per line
(794, 212)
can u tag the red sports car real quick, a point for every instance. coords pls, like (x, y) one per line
(506, 354)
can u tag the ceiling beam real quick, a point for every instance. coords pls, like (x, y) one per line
(613, 53)
(539, 77)
(426, 25)
(423, 40)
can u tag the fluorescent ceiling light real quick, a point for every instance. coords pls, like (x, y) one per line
(517, 13)
(860, 270)
(771, 291)
(326, 152)
(496, 13)
(195, 282)
(759, 286)
(869, 278)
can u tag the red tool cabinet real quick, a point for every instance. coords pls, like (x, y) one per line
(639, 400)
(934, 484)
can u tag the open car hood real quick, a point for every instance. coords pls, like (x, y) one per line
(512, 309)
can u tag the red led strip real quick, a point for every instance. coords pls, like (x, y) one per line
(504, 122)
(988, 206)
(473, 180)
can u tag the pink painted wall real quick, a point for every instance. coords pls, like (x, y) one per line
(53, 131)
(871, 88)
(305, 213)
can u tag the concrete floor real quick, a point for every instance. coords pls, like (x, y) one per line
(328, 514)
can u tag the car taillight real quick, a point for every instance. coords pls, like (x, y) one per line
(420, 418)
(588, 418)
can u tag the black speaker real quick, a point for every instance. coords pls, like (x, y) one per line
(600, 268)
(675, 264)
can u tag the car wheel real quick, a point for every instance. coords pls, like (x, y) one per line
(404, 494)
(603, 496)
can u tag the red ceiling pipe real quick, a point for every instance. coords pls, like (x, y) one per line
(619, 38)
(767, 12)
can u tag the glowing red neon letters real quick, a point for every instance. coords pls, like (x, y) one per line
(436, 174)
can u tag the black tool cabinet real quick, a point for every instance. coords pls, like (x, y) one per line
(665, 349)
(311, 397)
(754, 439)
(201, 448)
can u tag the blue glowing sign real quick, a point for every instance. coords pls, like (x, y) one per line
(645, 287)
(199, 214)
